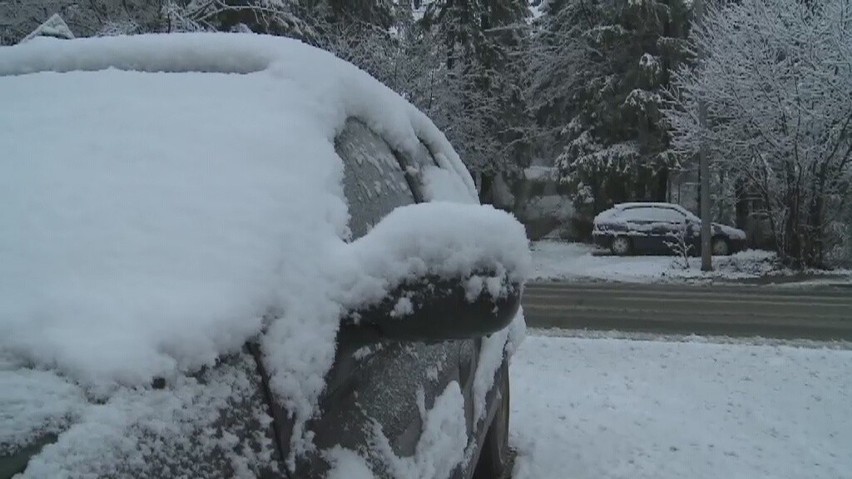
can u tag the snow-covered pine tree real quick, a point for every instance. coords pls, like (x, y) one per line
(478, 93)
(20, 17)
(599, 69)
(274, 17)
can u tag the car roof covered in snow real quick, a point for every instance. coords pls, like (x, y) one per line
(624, 206)
(173, 196)
(616, 210)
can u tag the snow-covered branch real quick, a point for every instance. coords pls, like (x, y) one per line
(777, 83)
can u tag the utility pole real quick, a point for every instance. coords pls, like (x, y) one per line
(703, 160)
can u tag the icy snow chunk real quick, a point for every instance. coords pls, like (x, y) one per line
(34, 404)
(440, 184)
(495, 348)
(517, 333)
(490, 358)
(442, 443)
(650, 62)
(54, 27)
(403, 307)
(347, 464)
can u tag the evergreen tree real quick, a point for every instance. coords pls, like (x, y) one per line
(384, 14)
(600, 70)
(482, 107)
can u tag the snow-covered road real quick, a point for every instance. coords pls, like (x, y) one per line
(585, 408)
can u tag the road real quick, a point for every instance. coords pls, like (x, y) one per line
(771, 312)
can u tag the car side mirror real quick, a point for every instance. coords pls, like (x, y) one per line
(438, 309)
(436, 271)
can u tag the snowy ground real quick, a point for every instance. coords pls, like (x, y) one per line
(577, 261)
(601, 408)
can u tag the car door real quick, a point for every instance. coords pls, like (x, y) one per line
(639, 221)
(651, 227)
(377, 389)
(666, 226)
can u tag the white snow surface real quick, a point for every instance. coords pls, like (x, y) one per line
(490, 358)
(616, 408)
(347, 464)
(120, 437)
(34, 403)
(580, 262)
(165, 213)
(440, 183)
(442, 443)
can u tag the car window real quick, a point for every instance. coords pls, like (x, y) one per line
(671, 215)
(656, 214)
(373, 179)
(633, 214)
(423, 157)
(690, 216)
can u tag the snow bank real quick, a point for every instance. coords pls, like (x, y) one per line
(614, 408)
(575, 261)
(163, 216)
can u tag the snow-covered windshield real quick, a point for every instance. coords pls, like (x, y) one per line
(163, 219)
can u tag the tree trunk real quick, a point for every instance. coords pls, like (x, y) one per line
(662, 185)
(486, 190)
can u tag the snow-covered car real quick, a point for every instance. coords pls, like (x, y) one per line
(232, 255)
(654, 228)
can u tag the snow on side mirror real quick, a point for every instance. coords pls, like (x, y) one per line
(436, 309)
(435, 271)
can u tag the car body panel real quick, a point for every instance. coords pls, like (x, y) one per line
(372, 381)
(651, 226)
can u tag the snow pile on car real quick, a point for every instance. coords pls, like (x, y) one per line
(475, 240)
(170, 197)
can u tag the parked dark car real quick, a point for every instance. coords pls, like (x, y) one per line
(210, 142)
(652, 228)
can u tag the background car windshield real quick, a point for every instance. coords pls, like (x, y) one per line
(656, 214)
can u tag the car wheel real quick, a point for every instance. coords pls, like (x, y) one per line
(620, 246)
(721, 247)
(494, 459)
